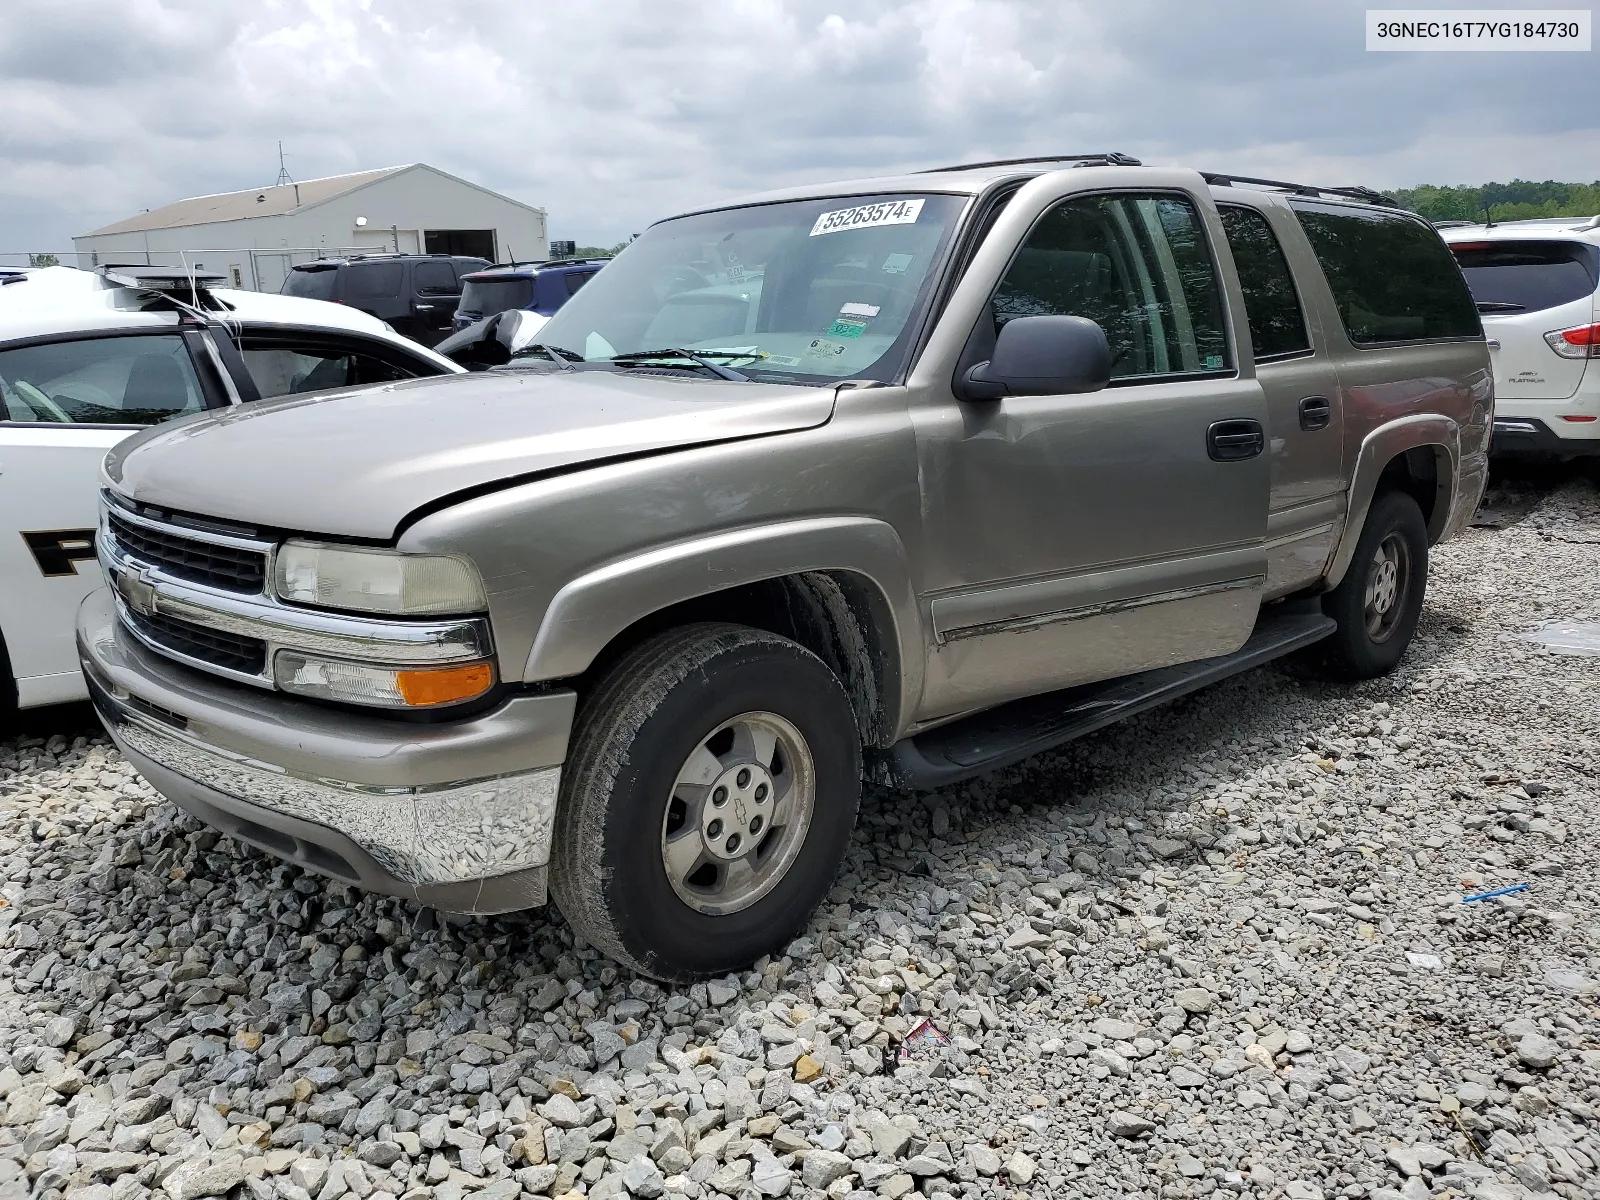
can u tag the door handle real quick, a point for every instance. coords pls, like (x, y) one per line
(1231, 441)
(423, 307)
(1315, 413)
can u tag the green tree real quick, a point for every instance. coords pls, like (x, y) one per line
(43, 260)
(1519, 200)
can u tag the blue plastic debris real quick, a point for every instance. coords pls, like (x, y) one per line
(1505, 891)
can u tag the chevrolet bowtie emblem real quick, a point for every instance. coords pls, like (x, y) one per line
(136, 592)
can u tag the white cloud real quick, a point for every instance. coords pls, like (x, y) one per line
(612, 114)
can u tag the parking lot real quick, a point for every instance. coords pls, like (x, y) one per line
(1221, 946)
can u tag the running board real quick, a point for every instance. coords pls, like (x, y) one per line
(1006, 735)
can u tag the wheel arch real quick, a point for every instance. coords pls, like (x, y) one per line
(1419, 455)
(838, 586)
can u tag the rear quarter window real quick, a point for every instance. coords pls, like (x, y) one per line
(313, 285)
(1393, 279)
(1527, 276)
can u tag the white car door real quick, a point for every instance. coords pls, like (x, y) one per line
(63, 404)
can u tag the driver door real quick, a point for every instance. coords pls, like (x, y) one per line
(1077, 538)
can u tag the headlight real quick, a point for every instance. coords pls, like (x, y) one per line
(384, 687)
(377, 581)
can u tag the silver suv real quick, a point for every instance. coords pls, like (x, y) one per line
(907, 478)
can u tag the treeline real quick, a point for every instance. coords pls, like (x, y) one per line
(1518, 200)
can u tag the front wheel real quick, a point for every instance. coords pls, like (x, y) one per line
(707, 802)
(1378, 602)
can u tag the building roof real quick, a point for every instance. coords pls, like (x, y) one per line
(237, 206)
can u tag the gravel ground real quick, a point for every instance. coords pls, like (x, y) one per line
(1220, 949)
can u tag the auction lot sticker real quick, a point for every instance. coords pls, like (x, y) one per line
(889, 212)
(1478, 29)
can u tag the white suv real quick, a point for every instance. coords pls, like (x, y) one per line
(1537, 284)
(88, 359)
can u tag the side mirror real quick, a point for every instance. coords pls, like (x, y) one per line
(516, 328)
(1042, 356)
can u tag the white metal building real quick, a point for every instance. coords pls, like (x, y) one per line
(255, 236)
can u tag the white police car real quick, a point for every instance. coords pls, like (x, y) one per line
(89, 358)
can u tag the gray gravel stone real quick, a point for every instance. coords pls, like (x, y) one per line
(1286, 848)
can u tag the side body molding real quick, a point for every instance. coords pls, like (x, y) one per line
(1423, 430)
(592, 608)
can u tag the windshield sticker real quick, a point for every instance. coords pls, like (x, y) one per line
(847, 327)
(823, 348)
(783, 360)
(896, 264)
(889, 212)
(859, 310)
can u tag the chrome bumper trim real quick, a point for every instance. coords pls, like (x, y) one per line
(423, 837)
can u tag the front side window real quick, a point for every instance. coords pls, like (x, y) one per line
(807, 290)
(137, 380)
(1528, 276)
(1392, 277)
(435, 278)
(1136, 265)
(1277, 325)
(280, 370)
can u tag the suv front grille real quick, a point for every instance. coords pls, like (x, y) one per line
(229, 651)
(225, 567)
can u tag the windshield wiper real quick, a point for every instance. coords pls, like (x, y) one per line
(641, 357)
(1500, 306)
(559, 355)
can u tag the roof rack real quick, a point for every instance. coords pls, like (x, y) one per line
(1112, 158)
(573, 262)
(1364, 194)
(1454, 224)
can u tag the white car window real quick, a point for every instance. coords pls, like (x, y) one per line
(285, 370)
(136, 380)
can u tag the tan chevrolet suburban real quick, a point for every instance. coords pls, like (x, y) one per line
(907, 478)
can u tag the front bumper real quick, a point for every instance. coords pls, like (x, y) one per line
(457, 816)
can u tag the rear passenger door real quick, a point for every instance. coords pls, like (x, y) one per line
(1305, 415)
(378, 287)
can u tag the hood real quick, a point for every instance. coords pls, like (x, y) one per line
(354, 463)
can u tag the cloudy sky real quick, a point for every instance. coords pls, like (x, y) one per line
(612, 112)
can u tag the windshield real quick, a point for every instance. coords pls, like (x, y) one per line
(810, 290)
(1525, 276)
(485, 297)
(313, 284)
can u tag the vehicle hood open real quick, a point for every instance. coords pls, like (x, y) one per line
(356, 462)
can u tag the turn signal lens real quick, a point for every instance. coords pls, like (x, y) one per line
(444, 685)
(380, 687)
(1582, 342)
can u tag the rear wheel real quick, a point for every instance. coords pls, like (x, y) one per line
(707, 802)
(1378, 602)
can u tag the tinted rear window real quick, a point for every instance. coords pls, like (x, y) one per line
(313, 285)
(1513, 277)
(489, 296)
(1393, 278)
(368, 281)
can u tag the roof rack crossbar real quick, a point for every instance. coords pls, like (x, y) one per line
(1366, 194)
(1111, 158)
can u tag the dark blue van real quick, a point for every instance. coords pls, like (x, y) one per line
(540, 287)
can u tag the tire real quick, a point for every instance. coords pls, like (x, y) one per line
(693, 710)
(1372, 636)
